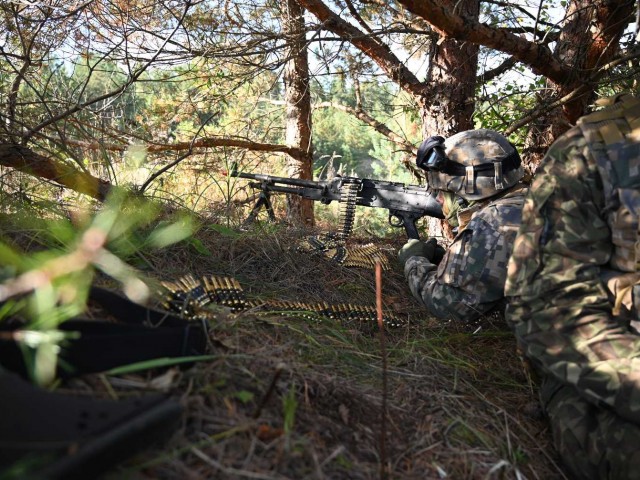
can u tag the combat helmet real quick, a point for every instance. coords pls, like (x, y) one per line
(474, 164)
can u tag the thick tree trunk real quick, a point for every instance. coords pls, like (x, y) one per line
(298, 112)
(448, 103)
(589, 38)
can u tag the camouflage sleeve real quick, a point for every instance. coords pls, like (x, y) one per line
(442, 301)
(558, 307)
(470, 279)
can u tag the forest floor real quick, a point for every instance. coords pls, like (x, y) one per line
(290, 397)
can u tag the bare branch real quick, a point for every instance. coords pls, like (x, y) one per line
(377, 51)
(372, 122)
(28, 161)
(132, 79)
(538, 57)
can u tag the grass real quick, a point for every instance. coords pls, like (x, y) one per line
(288, 397)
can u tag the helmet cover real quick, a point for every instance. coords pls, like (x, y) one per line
(480, 163)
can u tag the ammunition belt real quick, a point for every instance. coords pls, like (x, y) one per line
(333, 245)
(189, 297)
(348, 197)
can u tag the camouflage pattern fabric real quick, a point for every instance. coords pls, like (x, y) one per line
(469, 281)
(560, 309)
(594, 442)
(475, 150)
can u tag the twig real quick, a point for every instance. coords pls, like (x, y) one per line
(383, 421)
(270, 390)
(338, 451)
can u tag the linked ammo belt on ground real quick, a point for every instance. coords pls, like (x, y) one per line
(190, 297)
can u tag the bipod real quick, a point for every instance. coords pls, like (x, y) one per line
(264, 200)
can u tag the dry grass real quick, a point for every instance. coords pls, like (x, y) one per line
(293, 398)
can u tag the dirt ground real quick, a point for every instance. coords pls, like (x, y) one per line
(291, 397)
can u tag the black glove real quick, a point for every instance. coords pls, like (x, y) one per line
(417, 248)
(438, 255)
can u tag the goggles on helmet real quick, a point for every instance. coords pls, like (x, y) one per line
(431, 155)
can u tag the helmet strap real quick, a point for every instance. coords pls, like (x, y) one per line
(470, 184)
(498, 176)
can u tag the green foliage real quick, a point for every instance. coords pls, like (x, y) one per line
(290, 405)
(198, 246)
(501, 105)
(51, 285)
(244, 396)
(158, 363)
(169, 232)
(344, 143)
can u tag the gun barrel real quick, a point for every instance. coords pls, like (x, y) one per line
(271, 180)
(279, 188)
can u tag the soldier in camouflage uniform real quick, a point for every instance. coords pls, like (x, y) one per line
(574, 291)
(477, 174)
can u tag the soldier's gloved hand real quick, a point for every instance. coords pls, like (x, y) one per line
(417, 248)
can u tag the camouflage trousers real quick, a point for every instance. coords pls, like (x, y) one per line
(593, 442)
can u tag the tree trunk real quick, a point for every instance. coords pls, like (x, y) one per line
(448, 103)
(298, 112)
(447, 106)
(589, 39)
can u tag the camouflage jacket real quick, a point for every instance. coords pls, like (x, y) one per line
(469, 281)
(580, 224)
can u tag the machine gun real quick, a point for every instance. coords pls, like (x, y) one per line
(406, 203)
